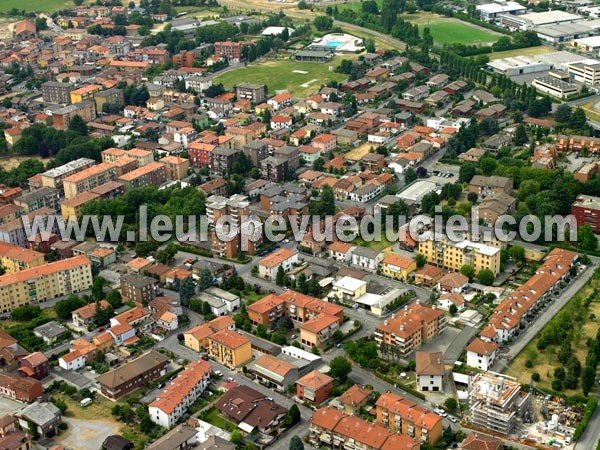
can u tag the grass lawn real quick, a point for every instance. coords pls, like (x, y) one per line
(251, 296)
(35, 5)
(214, 418)
(531, 51)
(451, 31)
(299, 78)
(544, 362)
(356, 6)
(592, 110)
(380, 245)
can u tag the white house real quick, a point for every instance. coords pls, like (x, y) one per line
(454, 298)
(366, 258)
(122, 333)
(309, 154)
(269, 265)
(481, 354)
(341, 251)
(184, 136)
(167, 321)
(281, 122)
(173, 402)
(280, 100)
(430, 371)
(232, 301)
(378, 138)
(72, 361)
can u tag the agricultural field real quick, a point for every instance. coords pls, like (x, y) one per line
(48, 6)
(452, 31)
(531, 360)
(299, 78)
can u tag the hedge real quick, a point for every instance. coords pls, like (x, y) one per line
(591, 406)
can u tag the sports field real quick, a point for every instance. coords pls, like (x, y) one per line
(35, 5)
(451, 31)
(299, 78)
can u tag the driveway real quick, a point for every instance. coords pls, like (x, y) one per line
(85, 434)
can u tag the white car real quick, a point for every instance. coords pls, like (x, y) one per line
(230, 379)
(218, 373)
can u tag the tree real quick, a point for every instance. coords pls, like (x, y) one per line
(205, 280)
(318, 164)
(485, 277)
(451, 404)
(420, 260)
(78, 125)
(98, 288)
(517, 253)
(521, 136)
(370, 45)
(586, 239)
(280, 277)
(588, 377)
(578, 119)
(409, 175)
(468, 271)
(323, 23)
(187, 289)
(339, 368)
(236, 437)
(102, 316)
(472, 197)
(78, 2)
(25, 313)
(296, 443)
(64, 308)
(466, 173)
(563, 113)
(453, 310)
(487, 165)
(292, 418)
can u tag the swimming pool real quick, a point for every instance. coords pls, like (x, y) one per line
(335, 44)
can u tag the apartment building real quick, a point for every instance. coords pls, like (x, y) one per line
(112, 155)
(267, 310)
(229, 215)
(453, 255)
(113, 96)
(172, 403)
(45, 197)
(46, 282)
(256, 93)
(128, 377)
(197, 337)
(586, 210)
(522, 304)
(269, 265)
(406, 417)
(484, 186)
(319, 331)
(153, 174)
(232, 51)
(89, 179)
(53, 178)
(497, 402)
(55, 92)
(85, 93)
(14, 258)
(229, 348)
(332, 428)
(314, 387)
(138, 288)
(176, 167)
(411, 327)
(73, 207)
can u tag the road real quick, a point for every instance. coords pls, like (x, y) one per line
(541, 321)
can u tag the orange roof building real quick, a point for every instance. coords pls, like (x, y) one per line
(314, 387)
(229, 348)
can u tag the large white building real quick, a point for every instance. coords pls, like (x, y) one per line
(586, 72)
(532, 20)
(180, 394)
(490, 11)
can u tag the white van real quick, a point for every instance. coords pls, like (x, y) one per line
(86, 402)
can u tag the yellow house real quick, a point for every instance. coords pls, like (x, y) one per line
(73, 207)
(197, 338)
(229, 348)
(84, 93)
(395, 266)
(14, 258)
(348, 289)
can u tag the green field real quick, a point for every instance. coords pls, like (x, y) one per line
(356, 6)
(299, 78)
(35, 5)
(451, 32)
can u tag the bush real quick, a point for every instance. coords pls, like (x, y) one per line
(63, 426)
(529, 364)
(535, 376)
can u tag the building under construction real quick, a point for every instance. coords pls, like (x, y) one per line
(497, 402)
